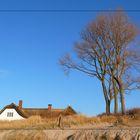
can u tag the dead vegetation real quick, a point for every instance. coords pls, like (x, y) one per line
(37, 128)
(133, 112)
(74, 121)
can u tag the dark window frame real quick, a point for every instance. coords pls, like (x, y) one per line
(10, 114)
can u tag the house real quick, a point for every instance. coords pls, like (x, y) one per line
(11, 112)
(17, 112)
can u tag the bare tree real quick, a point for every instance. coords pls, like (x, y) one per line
(104, 53)
(91, 57)
(121, 33)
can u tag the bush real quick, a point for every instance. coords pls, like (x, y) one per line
(133, 111)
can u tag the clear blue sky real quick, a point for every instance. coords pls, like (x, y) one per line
(31, 44)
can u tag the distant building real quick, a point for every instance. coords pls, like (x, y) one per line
(14, 112)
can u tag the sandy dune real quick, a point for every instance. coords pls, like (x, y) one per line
(72, 134)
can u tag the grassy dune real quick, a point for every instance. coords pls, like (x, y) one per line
(37, 128)
(37, 122)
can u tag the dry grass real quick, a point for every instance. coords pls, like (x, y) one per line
(37, 122)
(26, 127)
(30, 123)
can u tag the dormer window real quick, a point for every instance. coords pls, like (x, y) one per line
(9, 114)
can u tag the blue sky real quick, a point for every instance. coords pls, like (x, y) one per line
(31, 44)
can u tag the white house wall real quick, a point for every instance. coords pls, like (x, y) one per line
(16, 116)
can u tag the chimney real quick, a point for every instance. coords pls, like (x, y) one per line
(49, 106)
(20, 104)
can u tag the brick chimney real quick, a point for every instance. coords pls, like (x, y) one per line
(20, 104)
(49, 106)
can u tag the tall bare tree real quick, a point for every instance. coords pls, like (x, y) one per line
(103, 53)
(91, 57)
(121, 33)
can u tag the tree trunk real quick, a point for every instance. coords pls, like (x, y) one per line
(115, 103)
(108, 107)
(121, 89)
(122, 97)
(115, 96)
(107, 101)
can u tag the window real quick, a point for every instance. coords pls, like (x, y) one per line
(9, 114)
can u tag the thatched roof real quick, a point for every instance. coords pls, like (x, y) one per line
(13, 106)
(43, 112)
